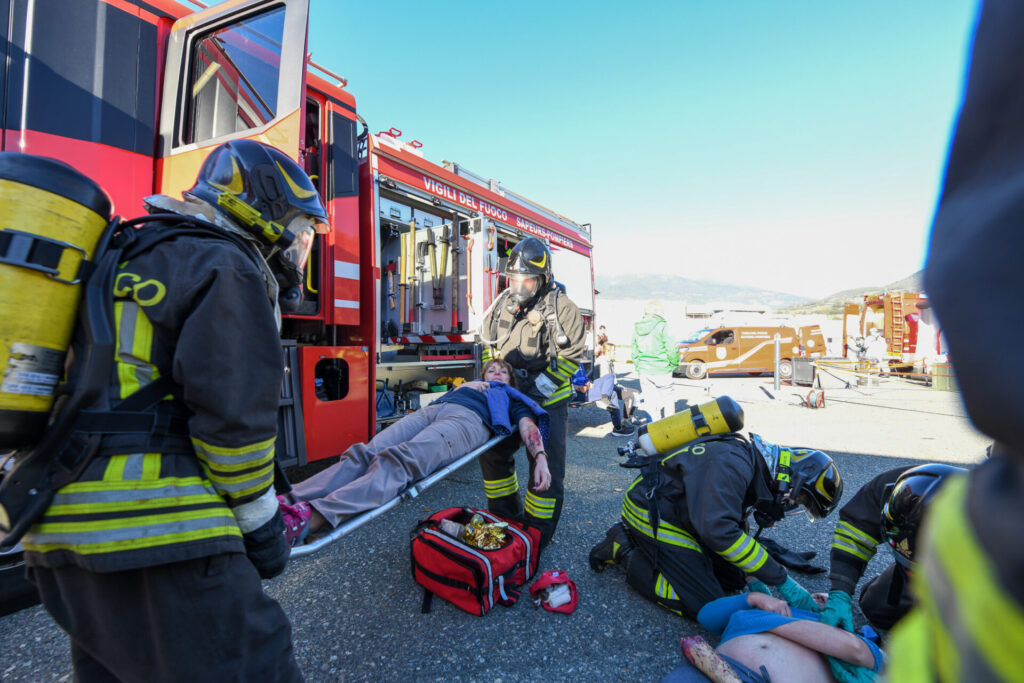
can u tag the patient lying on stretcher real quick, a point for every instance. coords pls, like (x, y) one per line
(368, 475)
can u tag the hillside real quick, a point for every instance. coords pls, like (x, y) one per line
(832, 305)
(694, 292)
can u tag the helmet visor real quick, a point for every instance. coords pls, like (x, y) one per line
(523, 287)
(302, 230)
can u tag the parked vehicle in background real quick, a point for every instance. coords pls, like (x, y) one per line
(747, 349)
(898, 316)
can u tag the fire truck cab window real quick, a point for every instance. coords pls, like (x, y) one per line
(233, 77)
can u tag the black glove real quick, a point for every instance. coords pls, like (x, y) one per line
(267, 548)
(799, 561)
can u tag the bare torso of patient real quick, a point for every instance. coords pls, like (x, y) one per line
(783, 659)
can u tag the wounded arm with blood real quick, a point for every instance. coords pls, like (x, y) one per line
(535, 446)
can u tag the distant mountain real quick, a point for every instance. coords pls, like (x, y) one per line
(695, 292)
(832, 305)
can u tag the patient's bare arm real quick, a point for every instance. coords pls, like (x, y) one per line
(535, 447)
(827, 640)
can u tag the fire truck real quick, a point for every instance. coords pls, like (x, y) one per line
(895, 314)
(135, 93)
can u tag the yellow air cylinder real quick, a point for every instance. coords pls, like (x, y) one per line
(721, 416)
(51, 220)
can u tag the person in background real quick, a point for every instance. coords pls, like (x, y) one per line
(152, 559)
(619, 401)
(655, 356)
(536, 328)
(368, 475)
(888, 508)
(605, 350)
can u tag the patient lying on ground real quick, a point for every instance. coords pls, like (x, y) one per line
(368, 475)
(763, 639)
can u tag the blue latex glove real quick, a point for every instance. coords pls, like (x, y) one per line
(838, 611)
(796, 595)
(758, 586)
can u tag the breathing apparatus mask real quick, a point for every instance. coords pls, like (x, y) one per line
(289, 263)
(523, 288)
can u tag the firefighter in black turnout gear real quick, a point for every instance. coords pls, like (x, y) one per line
(684, 538)
(538, 330)
(152, 558)
(887, 509)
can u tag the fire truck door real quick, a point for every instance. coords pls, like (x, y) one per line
(231, 73)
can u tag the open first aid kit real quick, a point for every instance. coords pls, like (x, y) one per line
(473, 558)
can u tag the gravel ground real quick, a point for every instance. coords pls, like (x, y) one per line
(355, 609)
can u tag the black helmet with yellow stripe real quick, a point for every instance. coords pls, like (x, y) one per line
(528, 269)
(905, 505)
(815, 482)
(264, 191)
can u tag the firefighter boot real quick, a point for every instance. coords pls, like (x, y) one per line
(612, 550)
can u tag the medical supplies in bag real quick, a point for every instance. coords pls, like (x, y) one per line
(447, 561)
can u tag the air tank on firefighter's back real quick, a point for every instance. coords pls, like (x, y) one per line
(51, 220)
(721, 416)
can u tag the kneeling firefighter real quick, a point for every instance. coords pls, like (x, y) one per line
(539, 331)
(684, 538)
(889, 509)
(159, 463)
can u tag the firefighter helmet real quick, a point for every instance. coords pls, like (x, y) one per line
(528, 269)
(905, 505)
(263, 190)
(815, 482)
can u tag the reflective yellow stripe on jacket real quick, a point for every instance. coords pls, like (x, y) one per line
(746, 553)
(852, 540)
(562, 373)
(239, 473)
(965, 627)
(637, 518)
(131, 508)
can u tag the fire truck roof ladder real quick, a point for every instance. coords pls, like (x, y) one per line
(497, 188)
(342, 81)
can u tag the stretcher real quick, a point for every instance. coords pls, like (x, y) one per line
(410, 492)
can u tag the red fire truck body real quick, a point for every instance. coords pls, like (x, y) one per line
(135, 93)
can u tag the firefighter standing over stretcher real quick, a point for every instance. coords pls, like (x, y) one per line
(683, 539)
(538, 330)
(151, 560)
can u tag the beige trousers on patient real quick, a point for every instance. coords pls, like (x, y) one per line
(371, 474)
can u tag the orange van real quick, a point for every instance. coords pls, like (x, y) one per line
(747, 349)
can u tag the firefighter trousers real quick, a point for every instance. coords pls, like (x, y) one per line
(679, 579)
(886, 598)
(206, 619)
(501, 485)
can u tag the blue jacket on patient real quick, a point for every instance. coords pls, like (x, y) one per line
(733, 616)
(498, 403)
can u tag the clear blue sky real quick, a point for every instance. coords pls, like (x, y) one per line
(795, 146)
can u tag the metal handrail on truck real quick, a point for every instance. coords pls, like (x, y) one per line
(410, 492)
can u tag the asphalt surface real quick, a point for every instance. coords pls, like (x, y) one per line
(355, 610)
